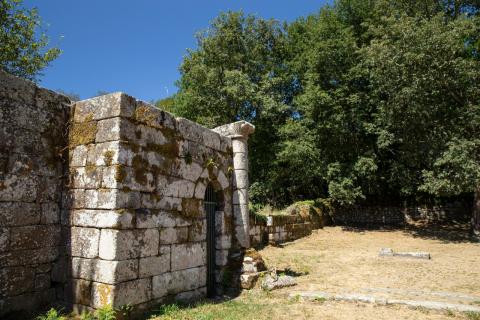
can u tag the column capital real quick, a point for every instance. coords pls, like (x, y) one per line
(236, 130)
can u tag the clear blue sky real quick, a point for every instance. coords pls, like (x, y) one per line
(136, 46)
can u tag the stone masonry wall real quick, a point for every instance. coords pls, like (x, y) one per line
(138, 177)
(32, 165)
(102, 202)
(280, 228)
(385, 215)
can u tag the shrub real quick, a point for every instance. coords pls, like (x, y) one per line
(52, 314)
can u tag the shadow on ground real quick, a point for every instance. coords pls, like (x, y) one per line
(454, 231)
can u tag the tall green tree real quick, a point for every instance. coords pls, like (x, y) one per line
(23, 45)
(364, 100)
(238, 72)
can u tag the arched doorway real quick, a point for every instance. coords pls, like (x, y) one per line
(211, 206)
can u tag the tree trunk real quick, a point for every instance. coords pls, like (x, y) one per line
(476, 215)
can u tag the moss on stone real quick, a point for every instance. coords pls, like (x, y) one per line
(144, 114)
(108, 157)
(120, 173)
(191, 208)
(83, 132)
(140, 169)
(89, 169)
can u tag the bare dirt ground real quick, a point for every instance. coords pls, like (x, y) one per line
(342, 260)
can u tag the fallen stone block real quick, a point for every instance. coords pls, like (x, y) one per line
(272, 283)
(432, 305)
(248, 280)
(387, 252)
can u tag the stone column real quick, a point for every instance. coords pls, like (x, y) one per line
(239, 132)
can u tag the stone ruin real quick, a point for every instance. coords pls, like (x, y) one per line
(102, 202)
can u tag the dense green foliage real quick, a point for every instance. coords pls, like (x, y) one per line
(22, 43)
(366, 100)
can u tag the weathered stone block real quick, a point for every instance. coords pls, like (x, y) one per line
(19, 213)
(153, 201)
(105, 271)
(152, 266)
(173, 235)
(128, 199)
(223, 180)
(78, 156)
(132, 292)
(179, 189)
(153, 117)
(4, 235)
(31, 237)
(191, 296)
(42, 281)
(17, 280)
(151, 137)
(28, 257)
(193, 208)
(115, 129)
(50, 213)
(84, 242)
(19, 188)
(115, 219)
(155, 219)
(179, 281)
(187, 171)
(198, 231)
(127, 178)
(127, 244)
(105, 154)
(102, 294)
(188, 255)
(200, 188)
(211, 139)
(190, 130)
(17, 89)
(86, 177)
(111, 105)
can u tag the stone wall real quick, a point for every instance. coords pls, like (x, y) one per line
(390, 215)
(277, 229)
(102, 202)
(138, 225)
(33, 125)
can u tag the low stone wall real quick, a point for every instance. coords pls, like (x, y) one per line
(32, 167)
(279, 228)
(389, 215)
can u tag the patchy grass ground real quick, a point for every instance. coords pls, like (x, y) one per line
(339, 260)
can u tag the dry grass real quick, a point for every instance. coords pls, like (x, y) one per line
(346, 261)
(340, 260)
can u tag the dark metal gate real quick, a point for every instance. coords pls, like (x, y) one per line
(210, 204)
